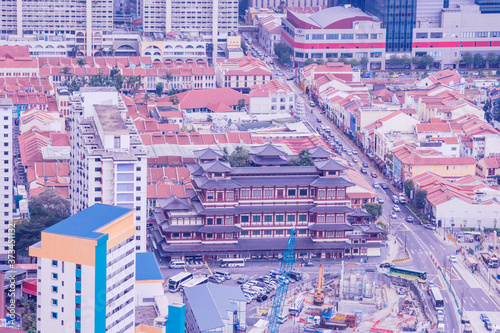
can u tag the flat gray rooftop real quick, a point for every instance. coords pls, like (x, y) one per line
(111, 120)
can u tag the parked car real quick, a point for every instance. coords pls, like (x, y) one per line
(373, 174)
(409, 219)
(453, 259)
(380, 200)
(429, 226)
(365, 165)
(318, 120)
(242, 279)
(375, 186)
(394, 215)
(488, 325)
(396, 208)
(384, 186)
(216, 279)
(385, 265)
(290, 78)
(309, 264)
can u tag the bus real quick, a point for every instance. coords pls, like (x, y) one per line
(437, 298)
(297, 306)
(232, 262)
(176, 281)
(194, 282)
(408, 274)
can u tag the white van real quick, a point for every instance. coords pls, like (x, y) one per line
(177, 264)
(224, 274)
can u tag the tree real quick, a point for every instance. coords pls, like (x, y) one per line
(492, 59)
(159, 89)
(134, 83)
(308, 62)
(65, 70)
(426, 61)
(395, 61)
(241, 104)
(281, 7)
(81, 62)
(405, 61)
(240, 158)
(75, 50)
(354, 63)
(283, 52)
(364, 62)
(374, 209)
(320, 61)
(46, 209)
(468, 59)
(409, 187)
(209, 49)
(304, 159)
(479, 61)
(28, 314)
(420, 197)
(174, 99)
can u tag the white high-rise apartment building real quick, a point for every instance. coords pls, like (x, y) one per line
(84, 21)
(108, 159)
(6, 108)
(207, 18)
(86, 273)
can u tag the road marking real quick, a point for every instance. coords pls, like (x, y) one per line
(484, 299)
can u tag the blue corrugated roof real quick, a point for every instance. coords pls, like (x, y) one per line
(146, 267)
(210, 304)
(85, 223)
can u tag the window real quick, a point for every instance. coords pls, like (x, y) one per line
(422, 35)
(54, 302)
(481, 34)
(54, 276)
(279, 232)
(256, 218)
(291, 193)
(302, 232)
(175, 234)
(219, 221)
(347, 36)
(210, 195)
(210, 235)
(245, 193)
(229, 220)
(268, 193)
(321, 193)
(331, 193)
(245, 219)
(321, 219)
(340, 193)
(361, 36)
(330, 219)
(268, 218)
(495, 34)
(117, 142)
(257, 193)
(331, 55)
(244, 233)
(54, 263)
(229, 195)
(186, 234)
(374, 36)
(54, 289)
(340, 218)
(53, 315)
(318, 36)
(302, 217)
(267, 232)
(210, 221)
(280, 218)
(303, 192)
(256, 232)
(290, 218)
(332, 36)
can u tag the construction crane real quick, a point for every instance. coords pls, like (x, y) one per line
(319, 298)
(283, 280)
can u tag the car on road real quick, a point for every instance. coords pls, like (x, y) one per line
(380, 200)
(242, 279)
(348, 153)
(318, 120)
(385, 265)
(429, 226)
(402, 200)
(355, 160)
(365, 165)
(453, 259)
(409, 219)
(290, 78)
(309, 264)
(488, 325)
(373, 174)
(484, 317)
(375, 186)
(216, 279)
(396, 208)
(363, 170)
(351, 164)
(394, 215)
(354, 152)
(311, 103)
(280, 74)
(384, 186)
(395, 199)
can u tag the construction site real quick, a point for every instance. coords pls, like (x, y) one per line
(358, 298)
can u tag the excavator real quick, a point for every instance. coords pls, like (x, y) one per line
(319, 298)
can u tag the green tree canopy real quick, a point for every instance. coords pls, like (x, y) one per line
(240, 158)
(241, 104)
(468, 59)
(304, 159)
(492, 59)
(174, 99)
(29, 314)
(409, 187)
(159, 89)
(81, 62)
(308, 62)
(374, 209)
(479, 61)
(420, 197)
(46, 209)
(283, 52)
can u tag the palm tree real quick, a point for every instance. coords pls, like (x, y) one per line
(210, 50)
(75, 50)
(81, 62)
(101, 51)
(111, 51)
(168, 77)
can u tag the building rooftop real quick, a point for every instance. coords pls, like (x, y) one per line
(146, 267)
(85, 223)
(111, 120)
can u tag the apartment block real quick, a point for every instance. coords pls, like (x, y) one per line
(108, 160)
(86, 272)
(287, 3)
(206, 18)
(6, 109)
